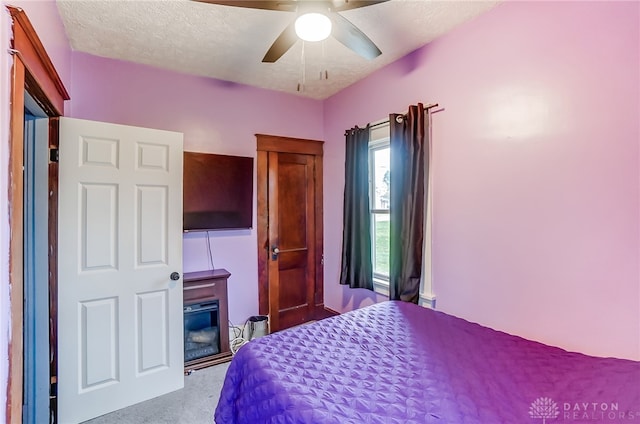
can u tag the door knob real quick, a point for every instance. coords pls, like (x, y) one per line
(175, 276)
(274, 253)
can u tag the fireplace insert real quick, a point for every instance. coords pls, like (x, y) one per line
(201, 330)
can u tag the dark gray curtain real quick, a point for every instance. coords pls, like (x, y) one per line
(409, 148)
(357, 270)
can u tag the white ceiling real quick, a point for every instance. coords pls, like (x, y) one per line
(228, 43)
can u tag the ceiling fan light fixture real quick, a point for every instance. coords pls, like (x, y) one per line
(313, 27)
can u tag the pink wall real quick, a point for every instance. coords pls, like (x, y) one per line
(215, 116)
(46, 21)
(536, 170)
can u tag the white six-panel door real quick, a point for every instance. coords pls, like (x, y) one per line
(120, 318)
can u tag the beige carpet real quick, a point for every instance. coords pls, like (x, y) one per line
(195, 404)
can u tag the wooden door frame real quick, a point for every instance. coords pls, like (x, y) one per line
(272, 143)
(31, 71)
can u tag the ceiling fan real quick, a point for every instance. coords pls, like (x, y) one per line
(338, 26)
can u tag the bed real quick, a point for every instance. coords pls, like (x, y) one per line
(396, 362)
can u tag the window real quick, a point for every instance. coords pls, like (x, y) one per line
(379, 191)
(379, 196)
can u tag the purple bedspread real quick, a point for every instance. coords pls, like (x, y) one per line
(396, 362)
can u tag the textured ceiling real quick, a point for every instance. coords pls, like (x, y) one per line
(228, 43)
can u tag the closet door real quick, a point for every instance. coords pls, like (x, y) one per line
(290, 230)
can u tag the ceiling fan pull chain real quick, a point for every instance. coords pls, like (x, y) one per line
(321, 59)
(302, 84)
(301, 80)
(304, 67)
(324, 73)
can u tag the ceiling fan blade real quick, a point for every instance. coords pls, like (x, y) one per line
(283, 43)
(280, 5)
(342, 5)
(349, 35)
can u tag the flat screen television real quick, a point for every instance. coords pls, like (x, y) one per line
(217, 192)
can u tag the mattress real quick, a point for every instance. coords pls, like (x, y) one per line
(396, 362)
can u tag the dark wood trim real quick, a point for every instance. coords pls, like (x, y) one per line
(274, 143)
(265, 145)
(16, 246)
(331, 311)
(322, 313)
(319, 228)
(262, 231)
(42, 81)
(54, 143)
(272, 284)
(33, 71)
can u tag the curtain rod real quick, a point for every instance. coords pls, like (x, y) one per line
(386, 121)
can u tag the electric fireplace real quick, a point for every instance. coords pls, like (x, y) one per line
(206, 319)
(201, 330)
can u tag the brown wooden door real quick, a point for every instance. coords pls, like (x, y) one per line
(290, 230)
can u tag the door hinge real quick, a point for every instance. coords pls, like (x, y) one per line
(54, 155)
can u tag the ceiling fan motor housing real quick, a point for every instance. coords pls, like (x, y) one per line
(341, 29)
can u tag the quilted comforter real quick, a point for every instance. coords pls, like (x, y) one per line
(396, 362)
